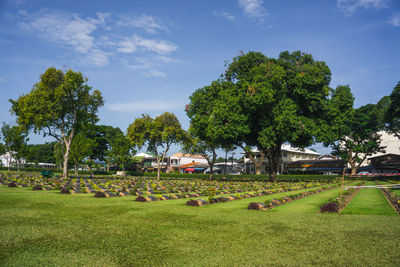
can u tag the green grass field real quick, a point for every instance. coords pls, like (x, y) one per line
(369, 201)
(49, 229)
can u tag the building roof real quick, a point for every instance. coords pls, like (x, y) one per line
(289, 148)
(182, 155)
(143, 154)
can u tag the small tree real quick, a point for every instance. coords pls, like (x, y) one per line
(193, 145)
(159, 134)
(59, 105)
(81, 147)
(121, 150)
(352, 133)
(15, 144)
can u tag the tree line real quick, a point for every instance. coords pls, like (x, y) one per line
(258, 103)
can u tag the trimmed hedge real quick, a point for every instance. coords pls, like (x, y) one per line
(243, 177)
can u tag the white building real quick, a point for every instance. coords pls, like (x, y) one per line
(179, 161)
(391, 142)
(289, 154)
(7, 160)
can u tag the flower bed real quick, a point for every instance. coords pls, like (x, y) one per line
(274, 202)
(393, 199)
(269, 204)
(338, 203)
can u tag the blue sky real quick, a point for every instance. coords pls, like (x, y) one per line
(150, 56)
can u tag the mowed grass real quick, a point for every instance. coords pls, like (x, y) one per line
(369, 201)
(50, 229)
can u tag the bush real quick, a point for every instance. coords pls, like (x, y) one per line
(99, 194)
(12, 184)
(37, 187)
(243, 177)
(256, 206)
(64, 191)
(330, 207)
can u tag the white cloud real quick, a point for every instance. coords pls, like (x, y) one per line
(225, 15)
(154, 73)
(69, 30)
(2, 80)
(166, 60)
(158, 46)
(351, 6)
(126, 46)
(97, 57)
(92, 42)
(137, 63)
(148, 65)
(253, 9)
(147, 23)
(148, 106)
(395, 20)
(102, 16)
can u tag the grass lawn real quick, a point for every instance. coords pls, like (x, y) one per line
(50, 229)
(369, 201)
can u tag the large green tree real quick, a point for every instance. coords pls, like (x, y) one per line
(352, 133)
(158, 134)
(392, 116)
(15, 144)
(60, 105)
(277, 101)
(211, 123)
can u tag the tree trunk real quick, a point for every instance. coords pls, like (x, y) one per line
(108, 166)
(158, 168)
(274, 159)
(211, 163)
(66, 158)
(352, 163)
(76, 169)
(257, 163)
(353, 169)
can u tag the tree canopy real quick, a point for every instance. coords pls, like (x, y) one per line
(158, 134)
(15, 143)
(392, 116)
(352, 133)
(261, 103)
(59, 105)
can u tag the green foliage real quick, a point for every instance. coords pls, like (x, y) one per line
(392, 115)
(243, 177)
(15, 143)
(352, 133)
(60, 105)
(158, 134)
(41, 153)
(81, 147)
(102, 135)
(121, 150)
(262, 103)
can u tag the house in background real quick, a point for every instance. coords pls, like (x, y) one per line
(7, 160)
(192, 163)
(326, 164)
(289, 154)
